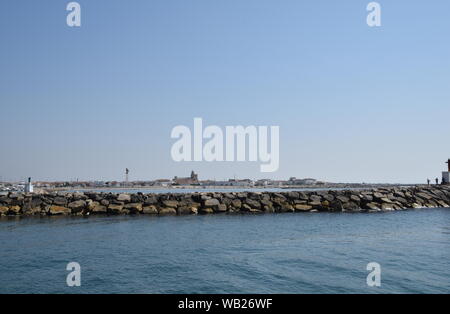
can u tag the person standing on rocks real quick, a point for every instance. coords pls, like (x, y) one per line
(437, 181)
(428, 180)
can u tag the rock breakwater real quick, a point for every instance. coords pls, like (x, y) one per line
(92, 203)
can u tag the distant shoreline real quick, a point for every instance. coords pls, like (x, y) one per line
(220, 187)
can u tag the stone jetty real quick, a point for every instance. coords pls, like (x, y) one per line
(92, 203)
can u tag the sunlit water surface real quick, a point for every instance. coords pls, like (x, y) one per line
(270, 253)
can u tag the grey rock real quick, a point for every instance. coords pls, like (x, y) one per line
(124, 198)
(211, 202)
(253, 204)
(173, 204)
(77, 206)
(167, 211)
(61, 201)
(150, 210)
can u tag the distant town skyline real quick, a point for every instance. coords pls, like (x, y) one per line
(353, 103)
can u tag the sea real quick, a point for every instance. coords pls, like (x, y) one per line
(229, 253)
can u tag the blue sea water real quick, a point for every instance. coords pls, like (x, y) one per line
(267, 253)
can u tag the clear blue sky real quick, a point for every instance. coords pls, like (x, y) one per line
(354, 104)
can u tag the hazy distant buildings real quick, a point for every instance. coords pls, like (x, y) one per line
(192, 180)
(244, 182)
(263, 182)
(306, 181)
(230, 182)
(162, 182)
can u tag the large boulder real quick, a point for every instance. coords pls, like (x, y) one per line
(253, 204)
(3, 210)
(236, 203)
(115, 209)
(378, 196)
(77, 206)
(387, 206)
(328, 197)
(150, 210)
(186, 210)
(385, 200)
(206, 210)
(14, 210)
(286, 207)
(367, 197)
(281, 197)
(133, 207)
(60, 201)
(58, 210)
(29, 209)
(373, 206)
(97, 208)
(267, 205)
(79, 196)
(36, 202)
(293, 195)
(137, 198)
(5, 200)
(211, 202)
(221, 208)
(343, 199)
(169, 203)
(124, 197)
(17, 201)
(350, 206)
(315, 203)
(302, 196)
(303, 208)
(442, 204)
(150, 200)
(167, 211)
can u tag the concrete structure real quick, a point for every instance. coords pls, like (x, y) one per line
(446, 177)
(28, 186)
(446, 174)
(127, 172)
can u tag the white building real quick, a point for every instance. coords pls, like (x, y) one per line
(28, 186)
(446, 174)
